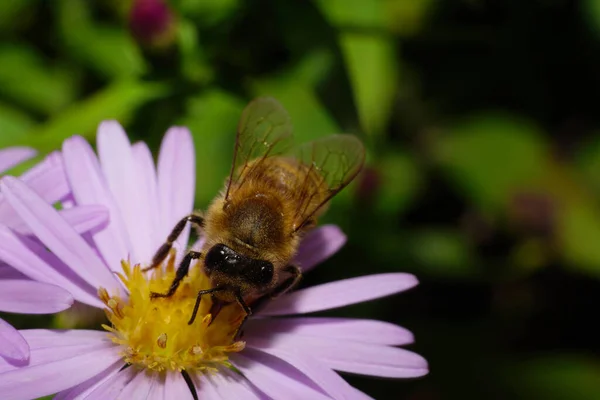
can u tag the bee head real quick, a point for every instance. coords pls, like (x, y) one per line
(225, 261)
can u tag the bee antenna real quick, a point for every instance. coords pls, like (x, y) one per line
(188, 380)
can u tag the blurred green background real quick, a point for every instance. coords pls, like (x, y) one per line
(481, 121)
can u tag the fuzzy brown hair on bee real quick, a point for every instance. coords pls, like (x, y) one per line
(273, 196)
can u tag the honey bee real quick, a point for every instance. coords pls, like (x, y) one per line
(273, 196)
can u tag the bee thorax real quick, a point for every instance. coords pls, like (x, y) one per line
(257, 222)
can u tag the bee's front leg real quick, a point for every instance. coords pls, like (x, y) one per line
(199, 299)
(181, 273)
(283, 287)
(163, 250)
(247, 310)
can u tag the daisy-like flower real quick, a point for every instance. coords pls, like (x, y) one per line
(18, 294)
(148, 350)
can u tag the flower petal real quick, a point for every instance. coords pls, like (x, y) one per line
(12, 156)
(54, 376)
(318, 245)
(358, 330)
(138, 388)
(83, 390)
(340, 293)
(328, 380)
(205, 388)
(42, 338)
(111, 388)
(42, 352)
(176, 182)
(82, 219)
(347, 356)
(8, 272)
(14, 345)
(86, 218)
(34, 261)
(230, 385)
(146, 173)
(158, 388)
(357, 394)
(56, 234)
(276, 378)
(47, 179)
(31, 297)
(120, 170)
(176, 387)
(89, 187)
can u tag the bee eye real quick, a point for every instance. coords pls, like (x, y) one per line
(225, 260)
(231, 259)
(262, 272)
(219, 257)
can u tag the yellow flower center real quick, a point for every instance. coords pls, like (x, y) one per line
(154, 333)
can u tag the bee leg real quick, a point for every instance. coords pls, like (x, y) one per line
(181, 273)
(163, 250)
(215, 309)
(124, 367)
(289, 283)
(190, 384)
(285, 286)
(247, 310)
(199, 298)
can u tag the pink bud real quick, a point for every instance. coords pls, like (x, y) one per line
(151, 22)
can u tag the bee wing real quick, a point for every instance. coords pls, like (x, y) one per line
(337, 159)
(264, 130)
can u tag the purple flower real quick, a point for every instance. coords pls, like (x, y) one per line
(280, 358)
(14, 156)
(17, 293)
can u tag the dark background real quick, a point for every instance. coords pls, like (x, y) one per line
(481, 122)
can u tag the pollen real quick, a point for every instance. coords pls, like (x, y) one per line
(154, 333)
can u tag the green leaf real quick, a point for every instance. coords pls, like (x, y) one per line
(588, 162)
(109, 50)
(408, 17)
(374, 74)
(442, 252)
(12, 13)
(310, 70)
(355, 13)
(490, 156)
(370, 58)
(399, 180)
(579, 235)
(208, 12)
(528, 257)
(113, 55)
(72, 16)
(194, 65)
(212, 117)
(591, 14)
(25, 78)
(117, 101)
(556, 377)
(14, 123)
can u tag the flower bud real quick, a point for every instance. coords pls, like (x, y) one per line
(152, 22)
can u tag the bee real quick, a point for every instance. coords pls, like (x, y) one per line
(273, 196)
